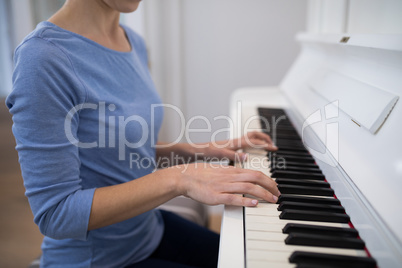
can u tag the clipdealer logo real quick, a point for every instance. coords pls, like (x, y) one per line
(115, 126)
(101, 142)
(331, 113)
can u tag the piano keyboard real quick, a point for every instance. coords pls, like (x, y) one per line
(308, 227)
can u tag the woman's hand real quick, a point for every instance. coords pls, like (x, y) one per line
(227, 149)
(215, 184)
(181, 153)
(205, 182)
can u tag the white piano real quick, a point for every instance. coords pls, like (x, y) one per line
(342, 97)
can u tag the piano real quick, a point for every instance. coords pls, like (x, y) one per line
(336, 118)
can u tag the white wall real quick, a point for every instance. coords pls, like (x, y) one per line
(203, 50)
(135, 20)
(355, 16)
(230, 44)
(375, 16)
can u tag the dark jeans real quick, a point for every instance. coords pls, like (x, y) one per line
(184, 244)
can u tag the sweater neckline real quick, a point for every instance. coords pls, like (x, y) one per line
(54, 26)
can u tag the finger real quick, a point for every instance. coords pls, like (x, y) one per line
(259, 139)
(260, 135)
(260, 179)
(237, 200)
(257, 143)
(231, 155)
(253, 190)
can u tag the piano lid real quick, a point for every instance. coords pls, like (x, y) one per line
(345, 88)
(368, 106)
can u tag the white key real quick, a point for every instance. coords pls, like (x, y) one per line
(265, 245)
(273, 246)
(265, 209)
(277, 227)
(266, 236)
(264, 264)
(263, 212)
(273, 256)
(275, 220)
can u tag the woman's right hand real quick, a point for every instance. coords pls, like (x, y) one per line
(204, 182)
(216, 184)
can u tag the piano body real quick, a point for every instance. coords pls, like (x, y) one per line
(341, 96)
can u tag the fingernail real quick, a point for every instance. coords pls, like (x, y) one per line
(275, 198)
(254, 202)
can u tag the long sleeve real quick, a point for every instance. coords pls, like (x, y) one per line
(45, 89)
(73, 103)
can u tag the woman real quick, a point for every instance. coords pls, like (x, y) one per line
(84, 108)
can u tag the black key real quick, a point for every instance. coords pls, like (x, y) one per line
(331, 260)
(266, 110)
(298, 169)
(270, 114)
(304, 190)
(285, 147)
(281, 114)
(281, 130)
(294, 146)
(324, 241)
(309, 206)
(285, 127)
(304, 265)
(289, 148)
(293, 137)
(297, 175)
(308, 199)
(319, 230)
(306, 215)
(294, 158)
(281, 122)
(275, 164)
(292, 153)
(281, 133)
(308, 183)
(285, 142)
(285, 131)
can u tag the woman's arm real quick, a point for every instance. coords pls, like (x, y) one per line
(209, 184)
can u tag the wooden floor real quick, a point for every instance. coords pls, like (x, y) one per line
(20, 238)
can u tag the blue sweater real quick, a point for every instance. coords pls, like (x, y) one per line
(84, 118)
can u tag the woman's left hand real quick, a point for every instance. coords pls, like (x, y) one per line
(228, 149)
(215, 151)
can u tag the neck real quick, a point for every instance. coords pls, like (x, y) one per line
(94, 20)
(87, 17)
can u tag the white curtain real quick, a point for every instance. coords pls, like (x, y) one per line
(17, 19)
(5, 49)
